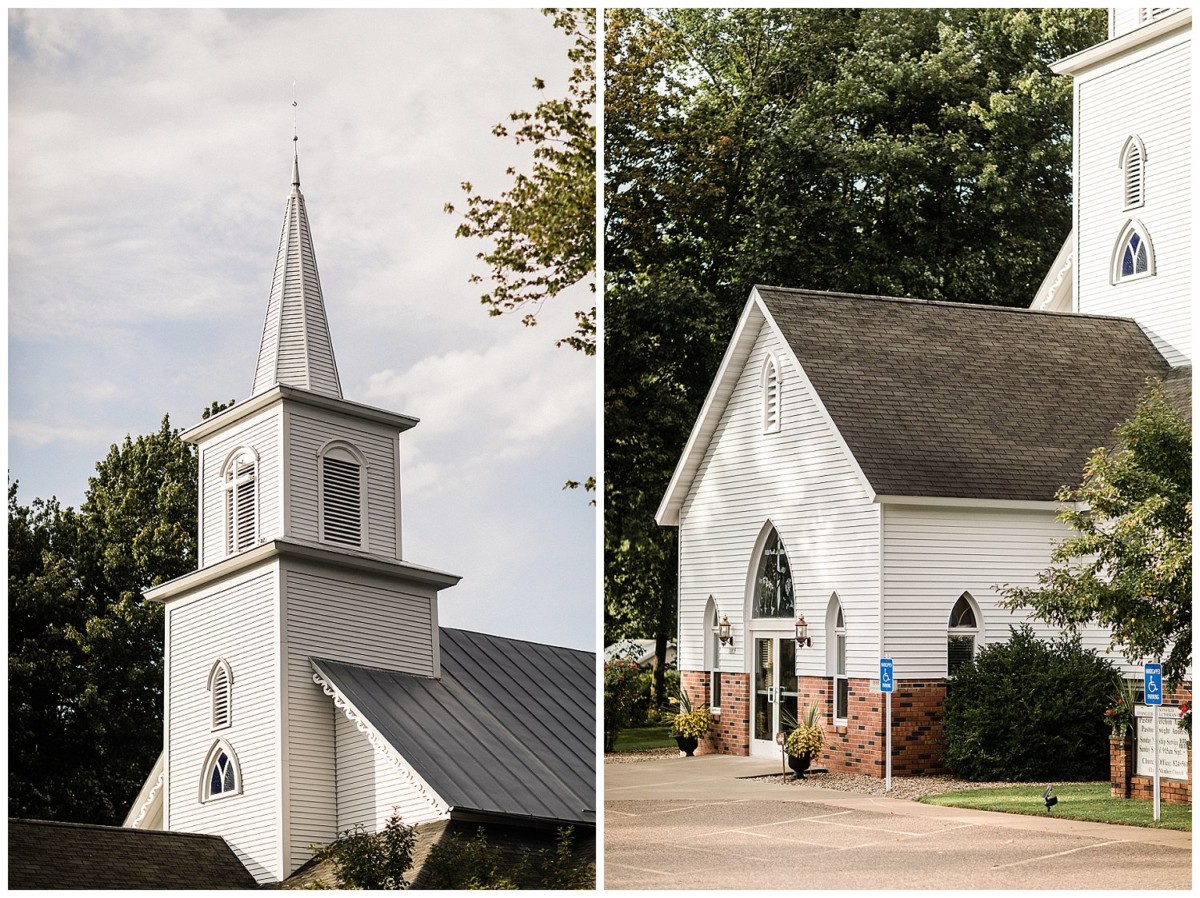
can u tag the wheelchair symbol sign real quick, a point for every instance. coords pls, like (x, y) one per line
(887, 681)
(1153, 687)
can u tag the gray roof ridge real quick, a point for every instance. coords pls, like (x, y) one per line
(113, 827)
(913, 300)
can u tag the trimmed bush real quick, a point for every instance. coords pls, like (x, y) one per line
(1027, 710)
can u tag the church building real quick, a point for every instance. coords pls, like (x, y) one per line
(309, 688)
(866, 471)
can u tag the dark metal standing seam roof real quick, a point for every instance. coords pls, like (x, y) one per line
(509, 728)
(944, 399)
(45, 854)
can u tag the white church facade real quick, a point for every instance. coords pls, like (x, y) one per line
(878, 466)
(308, 686)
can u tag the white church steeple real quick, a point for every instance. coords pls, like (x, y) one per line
(296, 349)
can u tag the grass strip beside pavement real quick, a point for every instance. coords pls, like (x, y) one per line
(642, 738)
(1082, 801)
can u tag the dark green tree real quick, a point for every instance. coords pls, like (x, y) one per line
(542, 229)
(85, 651)
(1127, 566)
(364, 860)
(916, 152)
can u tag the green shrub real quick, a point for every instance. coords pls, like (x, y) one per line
(620, 694)
(364, 860)
(1027, 710)
(458, 862)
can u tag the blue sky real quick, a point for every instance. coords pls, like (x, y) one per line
(149, 161)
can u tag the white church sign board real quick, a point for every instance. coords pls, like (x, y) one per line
(1172, 743)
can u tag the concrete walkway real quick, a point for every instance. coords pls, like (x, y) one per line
(700, 823)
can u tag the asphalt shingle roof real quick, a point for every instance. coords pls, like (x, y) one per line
(508, 729)
(943, 399)
(45, 854)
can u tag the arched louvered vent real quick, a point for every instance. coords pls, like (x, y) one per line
(341, 497)
(1133, 164)
(220, 684)
(241, 502)
(770, 386)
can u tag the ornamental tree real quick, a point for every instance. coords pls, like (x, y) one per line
(1128, 564)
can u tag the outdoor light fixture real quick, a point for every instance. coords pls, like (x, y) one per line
(1050, 798)
(725, 630)
(802, 632)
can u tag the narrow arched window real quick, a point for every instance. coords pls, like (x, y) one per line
(961, 635)
(712, 654)
(1133, 256)
(773, 591)
(836, 624)
(241, 501)
(220, 685)
(1133, 167)
(222, 775)
(342, 497)
(770, 395)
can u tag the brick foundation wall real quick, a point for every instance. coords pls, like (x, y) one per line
(1122, 762)
(730, 732)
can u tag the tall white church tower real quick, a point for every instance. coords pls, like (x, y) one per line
(300, 558)
(1130, 253)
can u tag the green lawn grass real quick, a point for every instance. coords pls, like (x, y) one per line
(1083, 801)
(642, 738)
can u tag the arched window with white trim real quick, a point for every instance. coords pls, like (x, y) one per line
(773, 590)
(1133, 169)
(835, 626)
(220, 686)
(241, 501)
(962, 633)
(771, 392)
(222, 775)
(712, 653)
(342, 499)
(1133, 255)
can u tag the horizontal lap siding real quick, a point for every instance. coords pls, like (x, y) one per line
(309, 431)
(370, 787)
(237, 623)
(1150, 97)
(801, 480)
(261, 433)
(344, 617)
(933, 555)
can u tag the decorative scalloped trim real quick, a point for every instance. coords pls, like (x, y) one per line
(1062, 274)
(145, 808)
(382, 745)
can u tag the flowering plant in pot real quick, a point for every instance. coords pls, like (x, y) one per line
(689, 724)
(1120, 713)
(804, 742)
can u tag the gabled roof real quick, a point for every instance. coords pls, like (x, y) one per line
(942, 399)
(49, 855)
(508, 729)
(296, 349)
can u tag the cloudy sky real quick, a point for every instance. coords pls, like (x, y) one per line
(149, 161)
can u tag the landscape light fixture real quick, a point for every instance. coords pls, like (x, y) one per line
(802, 632)
(1050, 797)
(725, 630)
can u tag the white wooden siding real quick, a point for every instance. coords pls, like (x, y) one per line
(350, 617)
(370, 786)
(801, 480)
(931, 556)
(1149, 95)
(236, 621)
(310, 429)
(261, 433)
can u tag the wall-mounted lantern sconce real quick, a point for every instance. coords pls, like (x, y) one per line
(725, 630)
(802, 632)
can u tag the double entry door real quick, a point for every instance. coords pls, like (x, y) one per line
(775, 696)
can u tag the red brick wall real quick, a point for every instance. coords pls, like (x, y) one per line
(730, 732)
(1126, 783)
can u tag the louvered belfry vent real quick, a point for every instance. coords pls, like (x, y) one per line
(240, 502)
(221, 715)
(342, 501)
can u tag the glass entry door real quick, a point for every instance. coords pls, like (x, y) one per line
(775, 692)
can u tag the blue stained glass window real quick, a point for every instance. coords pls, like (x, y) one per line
(215, 786)
(1135, 258)
(1127, 263)
(229, 784)
(223, 778)
(1135, 241)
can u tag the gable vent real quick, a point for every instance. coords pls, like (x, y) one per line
(221, 715)
(770, 396)
(240, 502)
(342, 501)
(1134, 177)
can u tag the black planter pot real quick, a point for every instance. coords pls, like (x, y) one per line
(799, 765)
(687, 744)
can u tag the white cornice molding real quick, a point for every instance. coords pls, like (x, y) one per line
(147, 796)
(1080, 62)
(967, 502)
(379, 743)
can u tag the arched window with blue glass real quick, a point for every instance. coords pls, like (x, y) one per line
(1133, 256)
(773, 593)
(222, 775)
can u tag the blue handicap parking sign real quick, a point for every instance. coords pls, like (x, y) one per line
(1153, 684)
(887, 680)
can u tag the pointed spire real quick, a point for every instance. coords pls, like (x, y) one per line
(296, 348)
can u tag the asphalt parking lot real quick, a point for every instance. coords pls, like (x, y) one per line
(699, 823)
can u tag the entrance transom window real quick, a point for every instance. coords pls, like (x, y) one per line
(773, 591)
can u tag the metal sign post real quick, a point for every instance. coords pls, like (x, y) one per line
(887, 683)
(1153, 692)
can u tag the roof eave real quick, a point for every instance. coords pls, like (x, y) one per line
(1078, 63)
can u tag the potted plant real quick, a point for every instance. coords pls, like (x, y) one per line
(804, 742)
(1120, 713)
(689, 724)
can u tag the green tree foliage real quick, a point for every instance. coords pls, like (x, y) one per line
(85, 652)
(543, 227)
(1029, 711)
(364, 860)
(458, 862)
(916, 152)
(1128, 564)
